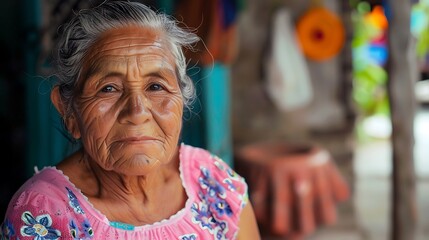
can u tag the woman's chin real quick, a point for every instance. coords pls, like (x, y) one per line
(138, 165)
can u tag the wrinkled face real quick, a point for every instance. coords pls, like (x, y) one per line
(129, 109)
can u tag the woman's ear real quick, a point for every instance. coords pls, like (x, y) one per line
(69, 121)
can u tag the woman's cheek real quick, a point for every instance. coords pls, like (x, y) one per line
(96, 110)
(97, 119)
(171, 110)
(172, 105)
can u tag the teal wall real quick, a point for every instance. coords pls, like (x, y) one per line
(46, 143)
(217, 111)
(209, 123)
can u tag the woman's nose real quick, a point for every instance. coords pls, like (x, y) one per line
(136, 110)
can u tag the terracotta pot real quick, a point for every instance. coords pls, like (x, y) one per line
(293, 188)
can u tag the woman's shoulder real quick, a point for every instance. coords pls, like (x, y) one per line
(191, 152)
(217, 189)
(47, 190)
(48, 182)
(43, 200)
(197, 158)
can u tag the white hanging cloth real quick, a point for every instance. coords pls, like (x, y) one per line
(287, 77)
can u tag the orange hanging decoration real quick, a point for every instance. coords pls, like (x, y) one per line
(320, 33)
(377, 18)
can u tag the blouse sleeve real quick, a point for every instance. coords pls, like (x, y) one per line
(33, 215)
(223, 195)
(234, 184)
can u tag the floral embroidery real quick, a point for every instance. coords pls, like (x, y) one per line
(6, 230)
(221, 207)
(221, 231)
(212, 211)
(74, 203)
(212, 207)
(191, 236)
(231, 186)
(202, 216)
(88, 232)
(214, 188)
(39, 227)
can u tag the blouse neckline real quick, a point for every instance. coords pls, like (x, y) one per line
(179, 215)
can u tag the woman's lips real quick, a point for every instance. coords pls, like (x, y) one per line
(135, 140)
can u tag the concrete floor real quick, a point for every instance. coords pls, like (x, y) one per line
(372, 188)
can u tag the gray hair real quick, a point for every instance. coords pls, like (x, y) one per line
(86, 27)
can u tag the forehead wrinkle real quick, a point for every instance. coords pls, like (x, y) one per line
(162, 66)
(104, 66)
(155, 44)
(120, 40)
(131, 50)
(113, 39)
(106, 59)
(104, 54)
(122, 65)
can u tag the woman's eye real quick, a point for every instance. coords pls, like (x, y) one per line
(155, 87)
(108, 88)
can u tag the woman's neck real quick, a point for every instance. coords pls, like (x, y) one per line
(111, 185)
(135, 200)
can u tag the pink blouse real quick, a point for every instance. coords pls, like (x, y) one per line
(49, 206)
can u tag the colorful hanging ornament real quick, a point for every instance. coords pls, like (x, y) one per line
(321, 33)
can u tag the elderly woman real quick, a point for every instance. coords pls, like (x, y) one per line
(122, 90)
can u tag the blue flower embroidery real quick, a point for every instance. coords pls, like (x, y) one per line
(231, 185)
(214, 188)
(221, 207)
(6, 230)
(87, 229)
(74, 203)
(88, 232)
(213, 207)
(220, 234)
(202, 216)
(191, 236)
(39, 227)
(220, 230)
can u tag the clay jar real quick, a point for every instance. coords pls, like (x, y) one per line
(293, 188)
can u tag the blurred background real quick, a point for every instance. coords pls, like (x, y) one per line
(349, 78)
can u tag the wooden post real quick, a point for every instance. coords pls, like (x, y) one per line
(402, 104)
(347, 67)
